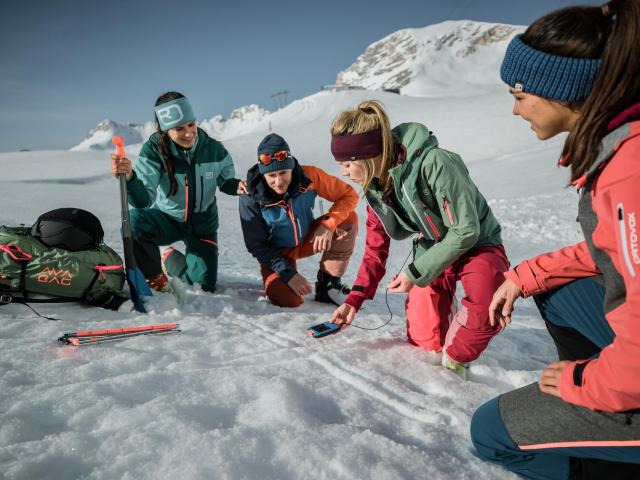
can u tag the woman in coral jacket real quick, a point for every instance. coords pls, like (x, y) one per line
(415, 188)
(577, 70)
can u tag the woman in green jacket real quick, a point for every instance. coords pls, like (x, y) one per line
(413, 187)
(172, 189)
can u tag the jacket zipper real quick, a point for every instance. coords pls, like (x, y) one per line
(186, 203)
(186, 211)
(447, 208)
(432, 225)
(623, 240)
(201, 192)
(415, 210)
(293, 222)
(292, 219)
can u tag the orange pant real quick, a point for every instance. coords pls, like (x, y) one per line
(334, 261)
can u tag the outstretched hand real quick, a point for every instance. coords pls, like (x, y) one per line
(121, 165)
(344, 315)
(501, 306)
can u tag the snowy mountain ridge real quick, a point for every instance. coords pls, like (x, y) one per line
(99, 137)
(453, 58)
(448, 59)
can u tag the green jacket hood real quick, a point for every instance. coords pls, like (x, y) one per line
(416, 139)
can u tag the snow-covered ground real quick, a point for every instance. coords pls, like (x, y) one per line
(242, 392)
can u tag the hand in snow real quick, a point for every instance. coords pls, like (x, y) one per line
(400, 283)
(322, 238)
(120, 165)
(502, 304)
(299, 285)
(344, 315)
(550, 378)
(242, 188)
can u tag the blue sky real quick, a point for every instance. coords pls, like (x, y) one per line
(67, 65)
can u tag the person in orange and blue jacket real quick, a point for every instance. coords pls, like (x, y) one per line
(279, 227)
(577, 70)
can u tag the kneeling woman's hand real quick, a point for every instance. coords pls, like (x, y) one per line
(344, 315)
(501, 306)
(242, 188)
(550, 378)
(400, 283)
(120, 165)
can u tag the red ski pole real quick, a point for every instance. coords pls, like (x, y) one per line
(78, 341)
(117, 331)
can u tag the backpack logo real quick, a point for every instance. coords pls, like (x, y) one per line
(170, 115)
(51, 275)
(208, 175)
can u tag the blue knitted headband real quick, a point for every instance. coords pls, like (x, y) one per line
(566, 79)
(174, 113)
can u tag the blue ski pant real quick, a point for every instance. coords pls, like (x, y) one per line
(522, 430)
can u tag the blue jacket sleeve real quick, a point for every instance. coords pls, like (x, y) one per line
(256, 238)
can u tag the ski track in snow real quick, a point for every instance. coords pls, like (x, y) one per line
(242, 391)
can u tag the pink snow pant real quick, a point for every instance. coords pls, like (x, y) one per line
(429, 309)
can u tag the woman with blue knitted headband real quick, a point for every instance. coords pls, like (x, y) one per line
(173, 191)
(577, 70)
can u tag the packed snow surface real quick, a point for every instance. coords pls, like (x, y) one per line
(242, 392)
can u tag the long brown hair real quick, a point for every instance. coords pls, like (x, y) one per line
(369, 115)
(610, 32)
(165, 143)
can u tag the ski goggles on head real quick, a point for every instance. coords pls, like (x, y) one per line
(268, 158)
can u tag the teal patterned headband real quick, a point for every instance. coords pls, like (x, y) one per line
(174, 113)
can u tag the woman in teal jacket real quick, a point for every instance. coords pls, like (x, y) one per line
(172, 189)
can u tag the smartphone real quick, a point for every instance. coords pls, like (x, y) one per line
(323, 329)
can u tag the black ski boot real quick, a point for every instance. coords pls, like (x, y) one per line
(330, 289)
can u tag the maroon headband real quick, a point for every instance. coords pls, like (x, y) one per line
(357, 147)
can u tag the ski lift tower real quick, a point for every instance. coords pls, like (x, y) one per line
(280, 99)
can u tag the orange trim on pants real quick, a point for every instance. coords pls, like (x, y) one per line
(334, 261)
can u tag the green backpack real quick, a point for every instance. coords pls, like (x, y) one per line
(28, 266)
